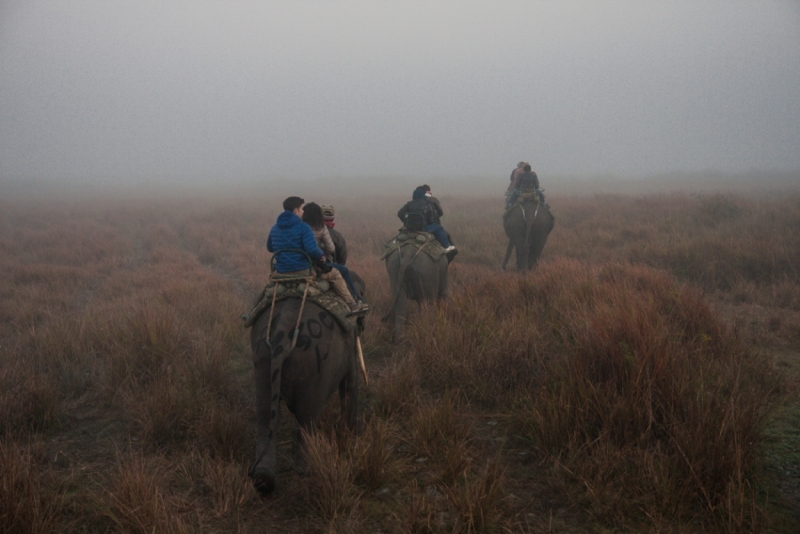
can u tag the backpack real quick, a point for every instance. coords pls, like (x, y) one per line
(419, 215)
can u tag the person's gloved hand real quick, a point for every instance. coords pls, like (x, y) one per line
(323, 267)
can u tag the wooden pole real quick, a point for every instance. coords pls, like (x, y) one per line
(360, 354)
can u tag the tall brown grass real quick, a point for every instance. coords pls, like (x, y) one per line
(641, 407)
(624, 379)
(136, 501)
(30, 501)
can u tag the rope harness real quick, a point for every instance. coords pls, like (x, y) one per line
(276, 278)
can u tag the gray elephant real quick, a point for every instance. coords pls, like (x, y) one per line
(304, 374)
(527, 225)
(417, 268)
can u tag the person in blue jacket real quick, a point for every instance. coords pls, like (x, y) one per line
(291, 233)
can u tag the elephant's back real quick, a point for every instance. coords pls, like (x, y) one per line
(316, 322)
(523, 213)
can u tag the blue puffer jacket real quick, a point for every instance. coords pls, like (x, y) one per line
(291, 232)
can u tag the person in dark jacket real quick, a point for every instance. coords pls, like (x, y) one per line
(419, 206)
(525, 182)
(291, 233)
(516, 172)
(437, 206)
(339, 243)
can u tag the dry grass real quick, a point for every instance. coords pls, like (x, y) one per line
(136, 499)
(228, 486)
(617, 396)
(623, 378)
(332, 495)
(30, 502)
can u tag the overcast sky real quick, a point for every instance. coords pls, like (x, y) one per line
(119, 90)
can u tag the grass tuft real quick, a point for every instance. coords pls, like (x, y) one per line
(30, 502)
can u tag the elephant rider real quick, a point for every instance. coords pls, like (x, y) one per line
(312, 215)
(437, 206)
(290, 232)
(437, 213)
(516, 172)
(527, 181)
(420, 215)
(339, 243)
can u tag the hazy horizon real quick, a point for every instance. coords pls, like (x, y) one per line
(182, 93)
(273, 191)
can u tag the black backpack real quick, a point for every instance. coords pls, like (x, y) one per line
(419, 215)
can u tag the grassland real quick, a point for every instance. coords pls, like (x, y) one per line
(642, 379)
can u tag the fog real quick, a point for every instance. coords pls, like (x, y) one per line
(191, 93)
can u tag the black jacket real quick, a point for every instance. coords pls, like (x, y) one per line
(527, 181)
(437, 209)
(418, 204)
(340, 255)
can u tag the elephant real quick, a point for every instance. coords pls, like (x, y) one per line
(323, 359)
(527, 226)
(414, 275)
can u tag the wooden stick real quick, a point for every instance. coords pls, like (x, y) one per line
(361, 360)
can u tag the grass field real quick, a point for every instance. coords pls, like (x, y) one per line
(642, 379)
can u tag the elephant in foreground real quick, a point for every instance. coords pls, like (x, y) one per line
(527, 226)
(416, 275)
(323, 359)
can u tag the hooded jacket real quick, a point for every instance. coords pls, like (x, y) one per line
(418, 203)
(291, 233)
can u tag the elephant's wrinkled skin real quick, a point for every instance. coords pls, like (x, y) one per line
(413, 276)
(527, 228)
(323, 360)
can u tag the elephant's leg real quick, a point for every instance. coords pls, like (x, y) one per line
(348, 397)
(508, 253)
(443, 289)
(306, 425)
(400, 307)
(537, 241)
(263, 469)
(535, 250)
(307, 404)
(522, 252)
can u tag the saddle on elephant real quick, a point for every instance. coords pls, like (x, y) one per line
(421, 241)
(315, 289)
(306, 286)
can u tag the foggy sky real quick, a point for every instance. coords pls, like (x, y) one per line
(114, 91)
